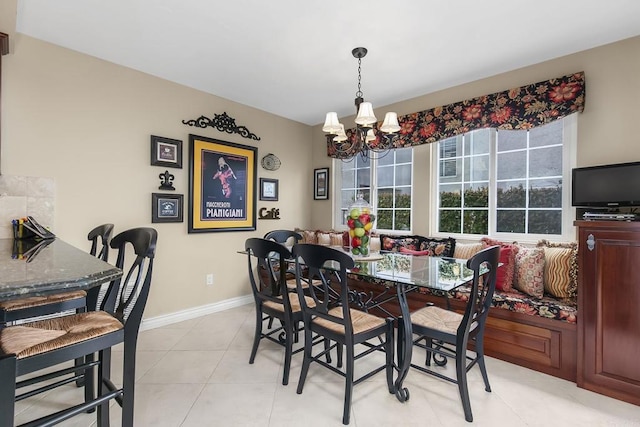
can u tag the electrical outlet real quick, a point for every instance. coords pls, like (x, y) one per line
(210, 279)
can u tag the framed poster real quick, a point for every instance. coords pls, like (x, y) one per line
(321, 184)
(269, 189)
(222, 186)
(166, 152)
(166, 207)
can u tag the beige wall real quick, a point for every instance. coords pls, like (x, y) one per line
(86, 123)
(606, 128)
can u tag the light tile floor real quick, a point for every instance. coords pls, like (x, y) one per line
(196, 374)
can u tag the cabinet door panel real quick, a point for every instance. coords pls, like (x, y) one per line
(609, 310)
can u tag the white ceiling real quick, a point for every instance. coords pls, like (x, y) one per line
(293, 57)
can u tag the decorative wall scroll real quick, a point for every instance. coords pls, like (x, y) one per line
(222, 186)
(222, 122)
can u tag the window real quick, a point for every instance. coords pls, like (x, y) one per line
(386, 183)
(506, 182)
(448, 153)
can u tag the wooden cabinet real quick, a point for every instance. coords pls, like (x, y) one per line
(609, 308)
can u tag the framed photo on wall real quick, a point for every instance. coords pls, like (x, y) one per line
(166, 152)
(269, 189)
(222, 186)
(321, 184)
(166, 207)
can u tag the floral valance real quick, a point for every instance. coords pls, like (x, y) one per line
(519, 108)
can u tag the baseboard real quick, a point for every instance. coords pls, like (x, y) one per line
(195, 312)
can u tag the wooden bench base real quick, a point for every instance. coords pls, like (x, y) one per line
(544, 345)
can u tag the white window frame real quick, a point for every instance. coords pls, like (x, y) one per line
(373, 190)
(569, 148)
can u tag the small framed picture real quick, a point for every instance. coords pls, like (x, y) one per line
(166, 152)
(166, 207)
(269, 189)
(321, 184)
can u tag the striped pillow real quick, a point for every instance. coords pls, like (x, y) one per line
(466, 250)
(561, 268)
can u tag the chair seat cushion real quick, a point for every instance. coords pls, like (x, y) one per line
(293, 300)
(361, 321)
(20, 304)
(291, 283)
(34, 338)
(437, 318)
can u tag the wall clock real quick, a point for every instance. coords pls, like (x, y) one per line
(270, 162)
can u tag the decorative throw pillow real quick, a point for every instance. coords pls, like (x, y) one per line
(505, 273)
(323, 238)
(466, 250)
(308, 236)
(394, 243)
(560, 268)
(437, 247)
(374, 245)
(529, 274)
(335, 238)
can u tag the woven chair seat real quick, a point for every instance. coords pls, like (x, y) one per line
(361, 321)
(437, 318)
(33, 338)
(294, 301)
(21, 304)
(291, 283)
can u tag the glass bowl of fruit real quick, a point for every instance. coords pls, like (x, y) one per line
(360, 220)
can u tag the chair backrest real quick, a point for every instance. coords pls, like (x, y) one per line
(270, 259)
(482, 290)
(282, 236)
(100, 237)
(127, 296)
(324, 266)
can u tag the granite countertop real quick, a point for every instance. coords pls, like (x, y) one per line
(56, 266)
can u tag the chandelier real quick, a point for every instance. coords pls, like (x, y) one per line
(365, 139)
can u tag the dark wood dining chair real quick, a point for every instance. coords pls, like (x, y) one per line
(45, 343)
(272, 299)
(284, 236)
(26, 308)
(341, 324)
(447, 334)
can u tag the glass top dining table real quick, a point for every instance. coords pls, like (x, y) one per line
(406, 273)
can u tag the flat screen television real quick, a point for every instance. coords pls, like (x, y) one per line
(606, 186)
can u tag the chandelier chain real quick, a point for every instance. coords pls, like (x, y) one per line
(359, 92)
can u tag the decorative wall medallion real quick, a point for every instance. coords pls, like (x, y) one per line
(270, 162)
(222, 122)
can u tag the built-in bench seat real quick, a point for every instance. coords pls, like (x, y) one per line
(535, 332)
